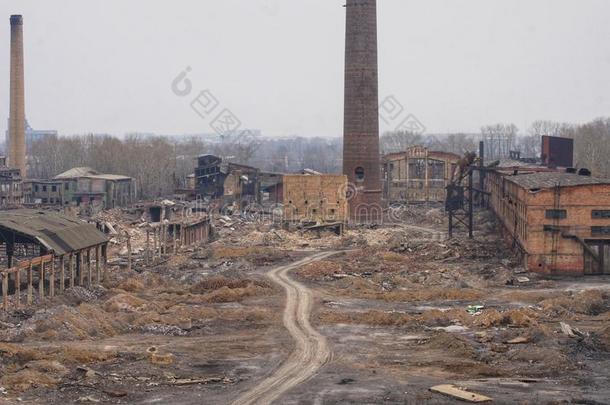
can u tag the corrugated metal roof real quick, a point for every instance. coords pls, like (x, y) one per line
(77, 172)
(57, 232)
(90, 173)
(546, 180)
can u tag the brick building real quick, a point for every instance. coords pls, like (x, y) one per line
(417, 175)
(558, 220)
(82, 186)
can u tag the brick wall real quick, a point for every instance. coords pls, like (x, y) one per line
(319, 198)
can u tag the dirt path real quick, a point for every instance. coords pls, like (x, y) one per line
(311, 351)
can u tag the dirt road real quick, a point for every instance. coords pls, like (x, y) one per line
(311, 351)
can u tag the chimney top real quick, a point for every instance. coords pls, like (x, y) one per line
(16, 19)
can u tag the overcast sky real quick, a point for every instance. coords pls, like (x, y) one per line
(107, 66)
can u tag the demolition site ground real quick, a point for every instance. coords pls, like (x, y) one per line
(378, 315)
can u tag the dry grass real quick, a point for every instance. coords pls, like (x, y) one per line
(362, 288)
(591, 302)
(131, 285)
(83, 322)
(320, 270)
(226, 294)
(522, 317)
(229, 252)
(218, 282)
(374, 318)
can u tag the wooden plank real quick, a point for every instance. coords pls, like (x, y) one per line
(80, 258)
(52, 279)
(89, 270)
(18, 288)
(41, 281)
(23, 265)
(457, 393)
(71, 269)
(30, 282)
(97, 263)
(62, 273)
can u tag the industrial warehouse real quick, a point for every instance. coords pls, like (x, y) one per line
(373, 257)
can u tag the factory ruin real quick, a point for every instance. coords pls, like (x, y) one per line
(419, 276)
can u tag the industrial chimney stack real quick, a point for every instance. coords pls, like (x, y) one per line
(361, 162)
(16, 139)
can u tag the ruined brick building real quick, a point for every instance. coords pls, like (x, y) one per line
(417, 175)
(558, 220)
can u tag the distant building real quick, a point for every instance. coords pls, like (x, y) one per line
(82, 186)
(11, 192)
(32, 135)
(230, 182)
(417, 175)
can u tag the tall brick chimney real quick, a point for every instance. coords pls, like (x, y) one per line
(16, 139)
(361, 161)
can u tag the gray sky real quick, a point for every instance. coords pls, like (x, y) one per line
(107, 66)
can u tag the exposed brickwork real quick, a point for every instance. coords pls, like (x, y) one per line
(16, 146)
(315, 198)
(523, 214)
(361, 120)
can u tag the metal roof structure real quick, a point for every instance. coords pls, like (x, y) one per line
(89, 173)
(55, 232)
(547, 180)
(77, 172)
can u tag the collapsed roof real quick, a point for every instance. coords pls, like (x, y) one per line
(55, 232)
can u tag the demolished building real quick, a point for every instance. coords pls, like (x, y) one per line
(82, 187)
(230, 182)
(317, 199)
(11, 192)
(51, 250)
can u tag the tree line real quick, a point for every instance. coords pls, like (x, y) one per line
(160, 164)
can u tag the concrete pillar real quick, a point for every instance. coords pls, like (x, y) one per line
(16, 138)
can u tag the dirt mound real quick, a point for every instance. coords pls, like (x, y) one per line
(125, 303)
(76, 355)
(375, 318)
(233, 252)
(542, 361)
(522, 317)
(83, 322)
(590, 302)
(131, 285)
(41, 373)
(18, 354)
(603, 338)
(452, 344)
(226, 294)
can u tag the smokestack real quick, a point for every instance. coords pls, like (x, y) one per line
(16, 141)
(361, 115)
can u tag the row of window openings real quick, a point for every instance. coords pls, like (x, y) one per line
(563, 214)
(53, 188)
